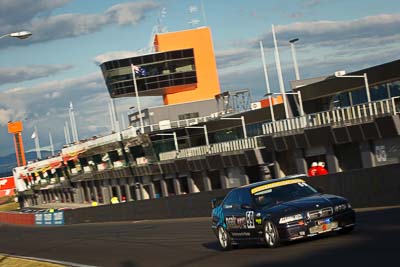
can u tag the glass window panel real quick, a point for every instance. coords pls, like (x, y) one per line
(394, 89)
(378, 92)
(359, 96)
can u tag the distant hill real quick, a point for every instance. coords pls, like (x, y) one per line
(7, 163)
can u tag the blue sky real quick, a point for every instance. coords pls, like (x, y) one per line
(39, 76)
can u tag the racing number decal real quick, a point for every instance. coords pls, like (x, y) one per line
(250, 220)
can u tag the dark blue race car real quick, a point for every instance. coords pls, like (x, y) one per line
(279, 210)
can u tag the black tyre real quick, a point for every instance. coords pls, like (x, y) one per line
(225, 240)
(346, 230)
(271, 235)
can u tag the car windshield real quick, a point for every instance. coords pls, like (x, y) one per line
(276, 195)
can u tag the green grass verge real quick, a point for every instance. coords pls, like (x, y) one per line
(9, 206)
(16, 262)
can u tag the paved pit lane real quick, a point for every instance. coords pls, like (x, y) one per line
(190, 242)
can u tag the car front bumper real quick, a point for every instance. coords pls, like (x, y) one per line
(308, 228)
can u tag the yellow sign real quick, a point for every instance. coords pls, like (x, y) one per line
(276, 184)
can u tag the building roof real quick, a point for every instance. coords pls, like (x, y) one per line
(332, 85)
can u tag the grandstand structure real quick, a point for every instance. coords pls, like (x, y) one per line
(198, 148)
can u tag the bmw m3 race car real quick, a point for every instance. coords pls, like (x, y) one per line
(278, 210)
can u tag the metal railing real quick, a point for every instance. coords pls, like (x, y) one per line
(337, 117)
(235, 145)
(178, 124)
(132, 132)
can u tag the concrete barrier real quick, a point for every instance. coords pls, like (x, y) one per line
(379, 186)
(371, 187)
(182, 206)
(17, 218)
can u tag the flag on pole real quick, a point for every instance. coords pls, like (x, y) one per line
(33, 136)
(138, 70)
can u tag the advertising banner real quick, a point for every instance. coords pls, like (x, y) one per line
(7, 186)
(50, 218)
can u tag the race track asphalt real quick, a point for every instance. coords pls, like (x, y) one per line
(190, 242)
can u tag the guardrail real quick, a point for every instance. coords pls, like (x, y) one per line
(178, 124)
(235, 145)
(338, 117)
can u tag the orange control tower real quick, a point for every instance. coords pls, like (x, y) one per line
(200, 41)
(16, 129)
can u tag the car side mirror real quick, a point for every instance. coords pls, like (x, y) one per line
(320, 189)
(245, 206)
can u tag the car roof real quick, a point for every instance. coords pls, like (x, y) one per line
(289, 177)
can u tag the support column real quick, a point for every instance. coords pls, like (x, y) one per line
(95, 192)
(206, 181)
(224, 179)
(301, 163)
(60, 195)
(40, 198)
(177, 186)
(152, 190)
(88, 194)
(331, 160)
(138, 191)
(128, 192)
(119, 194)
(105, 191)
(367, 156)
(164, 188)
(277, 168)
(78, 193)
(192, 186)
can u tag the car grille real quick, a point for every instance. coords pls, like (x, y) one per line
(316, 214)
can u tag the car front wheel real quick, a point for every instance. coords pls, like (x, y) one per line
(224, 239)
(271, 235)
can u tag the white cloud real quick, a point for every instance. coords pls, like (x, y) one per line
(26, 73)
(14, 12)
(114, 55)
(235, 57)
(46, 106)
(332, 33)
(5, 116)
(311, 3)
(129, 13)
(47, 28)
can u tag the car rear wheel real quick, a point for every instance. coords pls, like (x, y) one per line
(271, 235)
(225, 240)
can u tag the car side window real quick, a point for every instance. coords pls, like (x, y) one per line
(231, 201)
(244, 197)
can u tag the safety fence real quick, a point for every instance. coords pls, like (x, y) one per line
(337, 117)
(235, 145)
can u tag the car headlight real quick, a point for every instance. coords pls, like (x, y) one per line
(341, 207)
(291, 218)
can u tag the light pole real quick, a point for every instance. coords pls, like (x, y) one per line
(342, 74)
(204, 127)
(19, 35)
(296, 67)
(243, 124)
(175, 139)
(266, 79)
(298, 93)
(279, 71)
